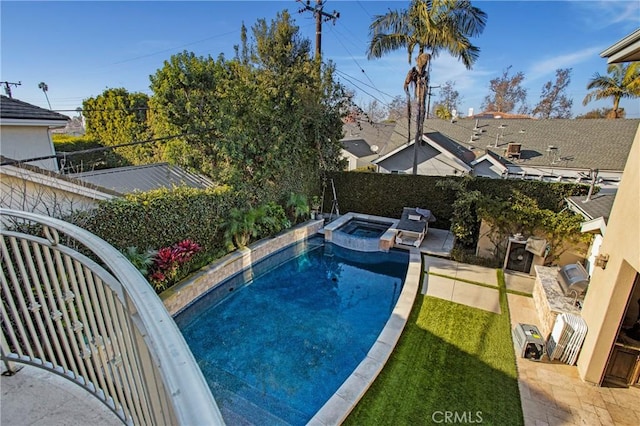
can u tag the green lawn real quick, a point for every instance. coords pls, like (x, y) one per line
(450, 358)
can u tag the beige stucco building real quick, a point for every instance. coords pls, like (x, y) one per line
(612, 303)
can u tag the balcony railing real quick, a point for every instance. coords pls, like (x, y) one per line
(75, 306)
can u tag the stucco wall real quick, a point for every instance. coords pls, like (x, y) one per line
(33, 192)
(610, 288)
(22, 142)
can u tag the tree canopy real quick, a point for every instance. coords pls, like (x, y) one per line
(506, 92)
(118, 117)
(623, 82)
(554, 102)
(266, 122)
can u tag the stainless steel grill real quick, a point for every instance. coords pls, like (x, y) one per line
(573, 279)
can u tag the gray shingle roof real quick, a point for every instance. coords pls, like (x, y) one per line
(598, 206)
(372, 133)
(357, 147)
(13, 108)
(581, 143)
(143, 178)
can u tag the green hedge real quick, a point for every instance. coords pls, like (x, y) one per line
(386, 194)
(161, 218)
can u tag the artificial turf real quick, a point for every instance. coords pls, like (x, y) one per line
(451, 360)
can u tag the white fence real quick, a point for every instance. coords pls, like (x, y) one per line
(74, 305)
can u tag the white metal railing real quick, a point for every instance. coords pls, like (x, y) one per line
(92, 318)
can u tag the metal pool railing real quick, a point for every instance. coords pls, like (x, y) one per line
(75, 306)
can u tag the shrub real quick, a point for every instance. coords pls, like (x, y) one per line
(169, 261)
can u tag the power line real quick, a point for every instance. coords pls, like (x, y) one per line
(320, 16)
(7, 86)
(63, 154)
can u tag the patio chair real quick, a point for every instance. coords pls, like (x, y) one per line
(413, 226)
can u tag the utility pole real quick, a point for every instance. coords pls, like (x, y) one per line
(320, 16)
(429, 98)
(7, 86)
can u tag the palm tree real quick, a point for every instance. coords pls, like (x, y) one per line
(43, 86)
(427, 24)
(623, 82)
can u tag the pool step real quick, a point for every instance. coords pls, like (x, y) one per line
(242, 404)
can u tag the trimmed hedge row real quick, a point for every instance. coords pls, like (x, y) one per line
(161, 218)
(386, 194)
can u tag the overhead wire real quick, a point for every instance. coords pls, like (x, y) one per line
(63, 154)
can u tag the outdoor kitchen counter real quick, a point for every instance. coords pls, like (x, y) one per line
(549, 299)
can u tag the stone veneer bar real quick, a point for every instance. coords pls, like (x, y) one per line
(549, 299)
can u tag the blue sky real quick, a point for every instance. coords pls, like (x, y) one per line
(82, 48)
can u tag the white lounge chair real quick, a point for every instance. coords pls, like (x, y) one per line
(413, 226)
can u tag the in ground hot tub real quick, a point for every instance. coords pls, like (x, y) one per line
(362, 232)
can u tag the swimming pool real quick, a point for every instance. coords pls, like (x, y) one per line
(275, 350)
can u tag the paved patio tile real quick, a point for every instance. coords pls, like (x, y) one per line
(476, 296)
(438, 287)
(477, 274)
(519, 282)
(440, 266)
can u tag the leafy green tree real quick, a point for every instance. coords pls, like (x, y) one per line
(442, 112)
(117, 117)
(267, 122)
(554, 102)
(522, 214)
(448, 101)
(623, 82)
(297, 206)
(433, 25)
(506, 93)
(186, 101)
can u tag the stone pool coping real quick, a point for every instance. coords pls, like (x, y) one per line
(386, 241)
(182, 295)
(338, 407)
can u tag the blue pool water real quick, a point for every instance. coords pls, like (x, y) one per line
(275, 350)
(365, 228)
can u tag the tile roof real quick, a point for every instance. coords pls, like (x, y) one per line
(143, 178)
(13, 108)
(580, 143)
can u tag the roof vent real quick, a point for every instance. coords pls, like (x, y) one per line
(374, 148)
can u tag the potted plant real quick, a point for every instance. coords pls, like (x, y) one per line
(315, 207)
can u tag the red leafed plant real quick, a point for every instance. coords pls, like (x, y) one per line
(168, 261)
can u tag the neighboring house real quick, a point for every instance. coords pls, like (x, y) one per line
(612, 304)
(30, 188)
(559, 150)
(38, 186)
(147, 177)
(363, 142)
(25, 132)
(596, 211)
